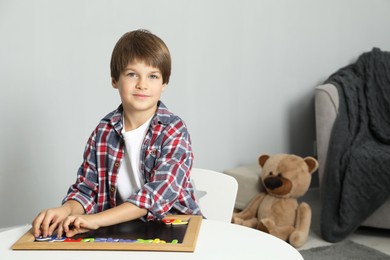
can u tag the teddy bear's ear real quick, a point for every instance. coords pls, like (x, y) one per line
(311, 163)
(262, 159)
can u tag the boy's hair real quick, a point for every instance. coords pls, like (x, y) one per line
(141, 45)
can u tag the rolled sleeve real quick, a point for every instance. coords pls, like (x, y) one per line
(85, 189)
(168, 178)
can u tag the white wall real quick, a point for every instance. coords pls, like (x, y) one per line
(243, 79)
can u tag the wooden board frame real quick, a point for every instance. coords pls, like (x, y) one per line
(27, 241)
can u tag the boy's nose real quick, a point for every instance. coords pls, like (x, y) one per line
(141, 84)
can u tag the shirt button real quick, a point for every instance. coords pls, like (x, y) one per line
(112, 189)
(116, 164)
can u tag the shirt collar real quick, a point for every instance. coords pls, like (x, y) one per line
(162, 116)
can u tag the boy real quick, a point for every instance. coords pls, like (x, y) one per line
(138, 159)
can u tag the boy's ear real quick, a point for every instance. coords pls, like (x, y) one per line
(113, 83)
(164, 87)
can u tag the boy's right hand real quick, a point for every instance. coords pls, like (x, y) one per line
(48, 220)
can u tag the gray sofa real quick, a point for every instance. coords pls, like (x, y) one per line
(326, 109)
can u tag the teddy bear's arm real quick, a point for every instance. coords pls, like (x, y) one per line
(302, 225)
(251, 209)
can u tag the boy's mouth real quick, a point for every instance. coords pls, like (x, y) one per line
(140, 96)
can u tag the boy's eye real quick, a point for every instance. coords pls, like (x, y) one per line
(154, 76)
(131, 75)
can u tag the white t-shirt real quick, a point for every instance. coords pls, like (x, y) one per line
(130, 179)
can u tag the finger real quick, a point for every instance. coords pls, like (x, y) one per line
(36, 225)
(71, 233)
(67, 222)
(46, 223)
(65, 225)
(78, 223)
(60, 230)
(53, 226)
(76, 231)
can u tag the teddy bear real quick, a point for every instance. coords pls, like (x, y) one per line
(285, 177)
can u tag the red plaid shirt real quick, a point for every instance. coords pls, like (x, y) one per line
(166, 161)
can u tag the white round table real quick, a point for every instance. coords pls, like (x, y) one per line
(216, 240)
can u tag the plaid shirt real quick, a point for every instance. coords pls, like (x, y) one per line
(166, 161)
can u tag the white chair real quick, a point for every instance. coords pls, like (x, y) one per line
(215, 192)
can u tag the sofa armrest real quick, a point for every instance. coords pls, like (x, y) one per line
(326, 109)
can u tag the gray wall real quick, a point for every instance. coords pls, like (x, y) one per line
(243, 79)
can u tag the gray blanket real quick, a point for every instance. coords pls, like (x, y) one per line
(357, 171)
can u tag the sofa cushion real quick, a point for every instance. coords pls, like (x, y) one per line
(249, 184)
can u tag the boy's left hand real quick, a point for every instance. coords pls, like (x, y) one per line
(74, 225)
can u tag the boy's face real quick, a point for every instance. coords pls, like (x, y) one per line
(140, 87)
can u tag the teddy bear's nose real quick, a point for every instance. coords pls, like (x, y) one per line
(273, 182)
